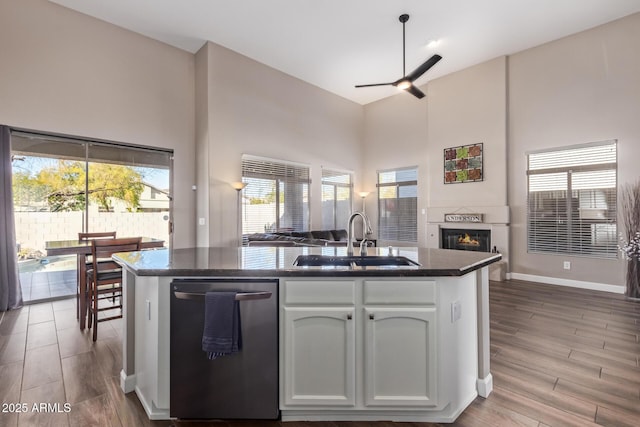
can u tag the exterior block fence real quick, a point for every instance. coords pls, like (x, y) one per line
(33, 229)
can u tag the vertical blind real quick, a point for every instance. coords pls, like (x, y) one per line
(398, 205)
(276, 197)
(571, 207)
(336, 199)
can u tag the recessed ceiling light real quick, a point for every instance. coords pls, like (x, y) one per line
(431, 44)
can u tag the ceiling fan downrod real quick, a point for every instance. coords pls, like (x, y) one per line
(403, 18)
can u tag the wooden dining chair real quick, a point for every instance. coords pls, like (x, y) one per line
(104, 279)
(83, 237)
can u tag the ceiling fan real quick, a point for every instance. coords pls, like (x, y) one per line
(406, 82)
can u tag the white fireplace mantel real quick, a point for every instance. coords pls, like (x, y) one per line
(495, 218)
(490, 214)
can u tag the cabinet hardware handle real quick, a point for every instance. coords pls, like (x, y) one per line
(349, 316)
(371, 317)
(241, 296)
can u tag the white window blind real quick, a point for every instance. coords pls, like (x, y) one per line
(336, 199)
(398, 205)
(572, 202)
(276, 197)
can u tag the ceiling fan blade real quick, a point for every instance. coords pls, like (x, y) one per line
(375, 84)
(415, 74)
(415, 91)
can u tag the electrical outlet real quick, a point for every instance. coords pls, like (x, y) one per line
(567, 265)
(456, 311)
(201, 221)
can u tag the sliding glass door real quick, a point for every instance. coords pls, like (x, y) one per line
(128, 191)
(39, 188)
(63, 186)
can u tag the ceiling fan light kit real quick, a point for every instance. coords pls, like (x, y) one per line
(406, 82)
(403, 84)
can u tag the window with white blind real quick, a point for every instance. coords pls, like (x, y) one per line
(398, 205)
(571, 205)
(336, 199)
(276, 197)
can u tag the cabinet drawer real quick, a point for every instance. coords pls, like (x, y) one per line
(319, 292)
(414, 292)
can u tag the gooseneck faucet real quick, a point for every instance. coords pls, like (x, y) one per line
(366, 229)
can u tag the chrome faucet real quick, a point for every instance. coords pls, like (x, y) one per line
(366, 229)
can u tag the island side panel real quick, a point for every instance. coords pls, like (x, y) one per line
(485, 379)
(127, 375)
(151, 343)
(164, 341)
(458, 342)
(145, 342)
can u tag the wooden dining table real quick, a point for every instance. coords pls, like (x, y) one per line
(82, 248)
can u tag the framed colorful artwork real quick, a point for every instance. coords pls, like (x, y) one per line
(463, 164)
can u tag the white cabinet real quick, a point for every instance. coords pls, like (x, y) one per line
(400, 356)
(358, 345)
(319, 350)
(400, 343)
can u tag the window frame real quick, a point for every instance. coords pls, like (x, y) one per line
(329, 172)
(385, 234)
(281, 172)
(569, 229)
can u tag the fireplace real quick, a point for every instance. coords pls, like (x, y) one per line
(466, 239)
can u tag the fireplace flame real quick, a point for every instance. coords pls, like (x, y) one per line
(467, 240)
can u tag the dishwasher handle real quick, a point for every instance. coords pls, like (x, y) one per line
(241, 296)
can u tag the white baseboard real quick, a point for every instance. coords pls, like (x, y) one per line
(127, 383)
(485, 386)
(152, 411)
(567, 282)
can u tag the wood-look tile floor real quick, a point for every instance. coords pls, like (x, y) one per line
(559, 356)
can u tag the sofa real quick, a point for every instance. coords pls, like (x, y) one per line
(299, 238)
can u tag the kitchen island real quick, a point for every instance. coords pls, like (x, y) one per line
(408, 343)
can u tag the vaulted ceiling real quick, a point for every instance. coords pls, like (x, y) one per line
(336, 44)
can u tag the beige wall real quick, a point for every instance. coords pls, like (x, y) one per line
(469, 107)
(65, 72)
(395, 136)
(202, 145)
(579, 89)
(254, 109)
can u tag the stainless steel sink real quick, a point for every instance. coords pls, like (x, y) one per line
(381, 261)
(353, 261)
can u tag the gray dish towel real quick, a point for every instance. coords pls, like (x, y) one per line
(222, 333)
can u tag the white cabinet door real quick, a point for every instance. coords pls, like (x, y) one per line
(400, 356)
(319, 355)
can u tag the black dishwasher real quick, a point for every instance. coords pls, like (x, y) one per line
(242, 385)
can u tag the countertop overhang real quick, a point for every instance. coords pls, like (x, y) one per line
(264, 261)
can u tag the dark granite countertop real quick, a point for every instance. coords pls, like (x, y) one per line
(264, 261)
